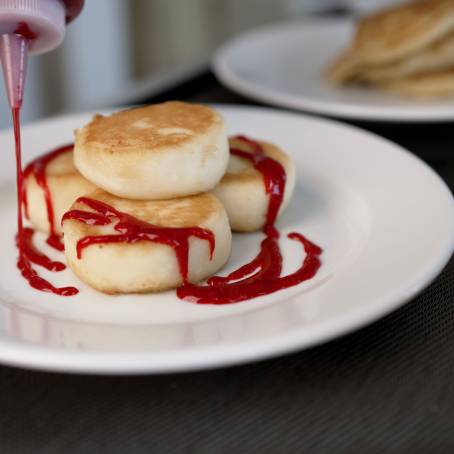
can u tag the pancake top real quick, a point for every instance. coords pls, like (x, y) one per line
(242, 170)
(190, 211)
(152, 128)
(402, 30)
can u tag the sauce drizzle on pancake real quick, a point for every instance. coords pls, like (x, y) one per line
(262, 275)
(131, 230)
(37, 168)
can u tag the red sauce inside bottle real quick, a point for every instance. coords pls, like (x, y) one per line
(24, 30)
(132, 230)
(262, 275)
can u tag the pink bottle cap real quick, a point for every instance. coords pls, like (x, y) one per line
(42, 20)
(27, 26)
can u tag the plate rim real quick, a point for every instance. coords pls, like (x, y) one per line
(228, 77)
(28, 355)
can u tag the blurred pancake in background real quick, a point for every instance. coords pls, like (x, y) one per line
(408, 49)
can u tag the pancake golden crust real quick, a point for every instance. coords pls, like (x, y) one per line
(145, 266)
(181, 212)
(155, 152)
(242, 189)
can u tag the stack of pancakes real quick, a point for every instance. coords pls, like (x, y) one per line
(168, 165)
(408, 49)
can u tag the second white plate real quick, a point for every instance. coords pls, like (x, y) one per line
(283, 65)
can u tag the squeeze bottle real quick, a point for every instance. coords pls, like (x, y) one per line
(30, 27)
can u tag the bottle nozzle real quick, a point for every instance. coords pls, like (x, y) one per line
(13, 55)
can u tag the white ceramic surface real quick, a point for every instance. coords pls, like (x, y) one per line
(283, 65)
(384, 219)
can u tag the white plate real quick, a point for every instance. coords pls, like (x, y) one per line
(283, 65)
(384, 219)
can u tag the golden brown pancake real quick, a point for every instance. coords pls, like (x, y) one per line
(242, 189)
(394, 34)
(155, 152)
(65, 184)
(146, 266)
(424, 85)
(437, 57)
